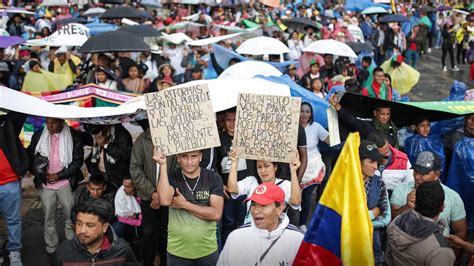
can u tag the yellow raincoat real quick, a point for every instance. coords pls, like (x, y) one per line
(404, 77)
(45, 81)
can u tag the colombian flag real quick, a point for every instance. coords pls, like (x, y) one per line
(340, 231)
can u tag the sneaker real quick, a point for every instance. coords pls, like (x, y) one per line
(303, 228)
(15, 258)
(445, 69)
(455, 69)
(429, 50)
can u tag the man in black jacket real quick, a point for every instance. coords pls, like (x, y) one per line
(95, 241)
(61, 147)
(111, 151)
(13, 165)
(380, 122)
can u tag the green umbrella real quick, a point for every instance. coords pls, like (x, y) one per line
(249, 23)
(425, 20)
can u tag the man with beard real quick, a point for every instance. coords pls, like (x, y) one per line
(95, 241)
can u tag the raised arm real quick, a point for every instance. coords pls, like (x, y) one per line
(232, 186)
(295, 198)
(165, 190)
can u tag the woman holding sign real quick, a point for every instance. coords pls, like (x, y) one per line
(266, 172)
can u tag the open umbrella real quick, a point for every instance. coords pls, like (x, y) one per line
(402, 114)
(249, 69)
(122, 12)
(444, 8)
(94, 12)
(69, 20)
(330, 47)
(7, 41)
(360, 46)
(18, 10)
(97, 28)
(394, 18)
(141, 30)
(374, 10)
(114, 41)
(261, 46)
(300, 24)
(427, 9)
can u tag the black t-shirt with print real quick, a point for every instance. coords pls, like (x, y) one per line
(209, 183)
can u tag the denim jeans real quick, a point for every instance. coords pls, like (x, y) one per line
(233, 216)
(412, 57)
(10, 205)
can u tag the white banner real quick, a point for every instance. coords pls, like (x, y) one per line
(72, 34)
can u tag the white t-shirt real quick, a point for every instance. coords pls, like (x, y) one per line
(248, 185)
(314, 133)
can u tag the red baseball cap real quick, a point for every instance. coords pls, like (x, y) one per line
(267, 193)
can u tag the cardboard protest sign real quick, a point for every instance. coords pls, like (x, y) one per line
(267, 127)
(182, 119)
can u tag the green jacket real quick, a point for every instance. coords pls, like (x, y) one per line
(143, 167)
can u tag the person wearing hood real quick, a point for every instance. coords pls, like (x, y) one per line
(269, 239)
(95, 242)
(65, 63)
(104, 78)
(415, 237)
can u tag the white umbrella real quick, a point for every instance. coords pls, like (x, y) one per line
(374, 10)
(249, 69)
(95, 11)
(356, 32)
(330, 47)
(262, 46)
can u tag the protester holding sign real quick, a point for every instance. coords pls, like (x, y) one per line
(266, 172)
(195, 197)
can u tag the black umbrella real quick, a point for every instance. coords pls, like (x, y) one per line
(114, 41)
(427, 9)
(401, 114)
(141, 30)
(394, 18)
(361, 46)
(300, 24)
(70, 20)
(122, 12)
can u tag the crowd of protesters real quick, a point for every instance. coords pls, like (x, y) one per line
(209, 207)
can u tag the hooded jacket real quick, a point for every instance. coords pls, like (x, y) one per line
(417, 240)
(247, 244)
(118, 252)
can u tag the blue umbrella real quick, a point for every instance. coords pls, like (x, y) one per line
(393, 18)
(97, 27)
